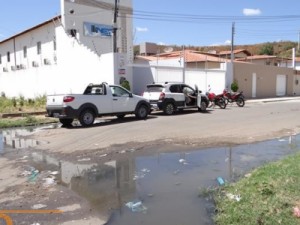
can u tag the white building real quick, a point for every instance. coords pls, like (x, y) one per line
(67, 52)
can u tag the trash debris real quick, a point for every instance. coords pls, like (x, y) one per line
(39, 206)
(234, 197)
(296, 212)
(33, 175)
(220, 181)
(35, 224)
(84, 160)
(49, 181)
(136, 206)
(141, 174)
(54, 172)
(176, 172)
(248, 175)
(281, 140)
(183, 161)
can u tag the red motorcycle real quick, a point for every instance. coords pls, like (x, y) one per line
(236, 97)
(214, 99)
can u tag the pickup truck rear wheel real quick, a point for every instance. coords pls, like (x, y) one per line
(86, 118)
(66, 122)
(142, 112)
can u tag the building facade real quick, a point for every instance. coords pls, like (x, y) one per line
(66, 53)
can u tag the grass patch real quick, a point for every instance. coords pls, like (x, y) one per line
(20, 104)
(268, 196)
(25, 121)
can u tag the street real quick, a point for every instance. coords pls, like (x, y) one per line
(254, 122)
(79, 170)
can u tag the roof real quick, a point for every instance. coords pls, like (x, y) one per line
(236, 51)
(258, 57)
(32, 28)
(190, 56)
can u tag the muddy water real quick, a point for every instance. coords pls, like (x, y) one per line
(165, 186)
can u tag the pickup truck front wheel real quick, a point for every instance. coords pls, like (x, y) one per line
(142, 112)
(86, 118)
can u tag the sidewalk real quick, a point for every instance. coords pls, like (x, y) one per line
(277, 99)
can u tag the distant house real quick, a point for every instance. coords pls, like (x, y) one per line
(270, 60)
(192, 59)
(238, 53)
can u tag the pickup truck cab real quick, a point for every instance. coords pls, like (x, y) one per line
(96, 101)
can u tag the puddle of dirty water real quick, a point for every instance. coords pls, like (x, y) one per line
(18, 138)
(162, 188)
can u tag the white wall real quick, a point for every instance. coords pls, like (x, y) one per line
(44, 34)
(144, 75)
(76, 67)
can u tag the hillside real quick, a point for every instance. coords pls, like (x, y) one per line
(280, 49)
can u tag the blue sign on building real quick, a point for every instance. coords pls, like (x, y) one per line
(97, 30)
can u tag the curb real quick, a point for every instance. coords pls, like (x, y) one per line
(23, 114)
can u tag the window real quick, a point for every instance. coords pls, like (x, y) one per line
(0, 59)
(176, 88)
(39, 48)
(119, 92)
(25, 51)
(8, 56)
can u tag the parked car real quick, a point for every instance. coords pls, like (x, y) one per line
(171, 97)
(97, 100)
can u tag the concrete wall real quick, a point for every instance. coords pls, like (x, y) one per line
(265, 78)
(15, 46)
(144, 74)
(76, 66)
(67, 64)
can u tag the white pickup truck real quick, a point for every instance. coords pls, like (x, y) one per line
(97, 100)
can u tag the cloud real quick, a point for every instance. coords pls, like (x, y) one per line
(227, 42)
(141, 29)
(251, 12)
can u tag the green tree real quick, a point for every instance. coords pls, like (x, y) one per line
(234, 86)
(267, 49)
(126, 84)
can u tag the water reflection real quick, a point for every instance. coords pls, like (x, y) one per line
(17, 138)
(167, 183)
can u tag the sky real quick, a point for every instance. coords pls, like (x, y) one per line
(177, 22)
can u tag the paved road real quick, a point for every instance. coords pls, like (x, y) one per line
(256, 121)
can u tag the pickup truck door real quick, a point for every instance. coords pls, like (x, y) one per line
(122, 100)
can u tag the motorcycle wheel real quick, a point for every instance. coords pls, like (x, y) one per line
(226, 100)
(240, 102)
(221, 103)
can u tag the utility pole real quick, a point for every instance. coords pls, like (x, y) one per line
(115, 27)
(232, 41)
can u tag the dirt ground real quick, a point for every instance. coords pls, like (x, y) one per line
(110, 139)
